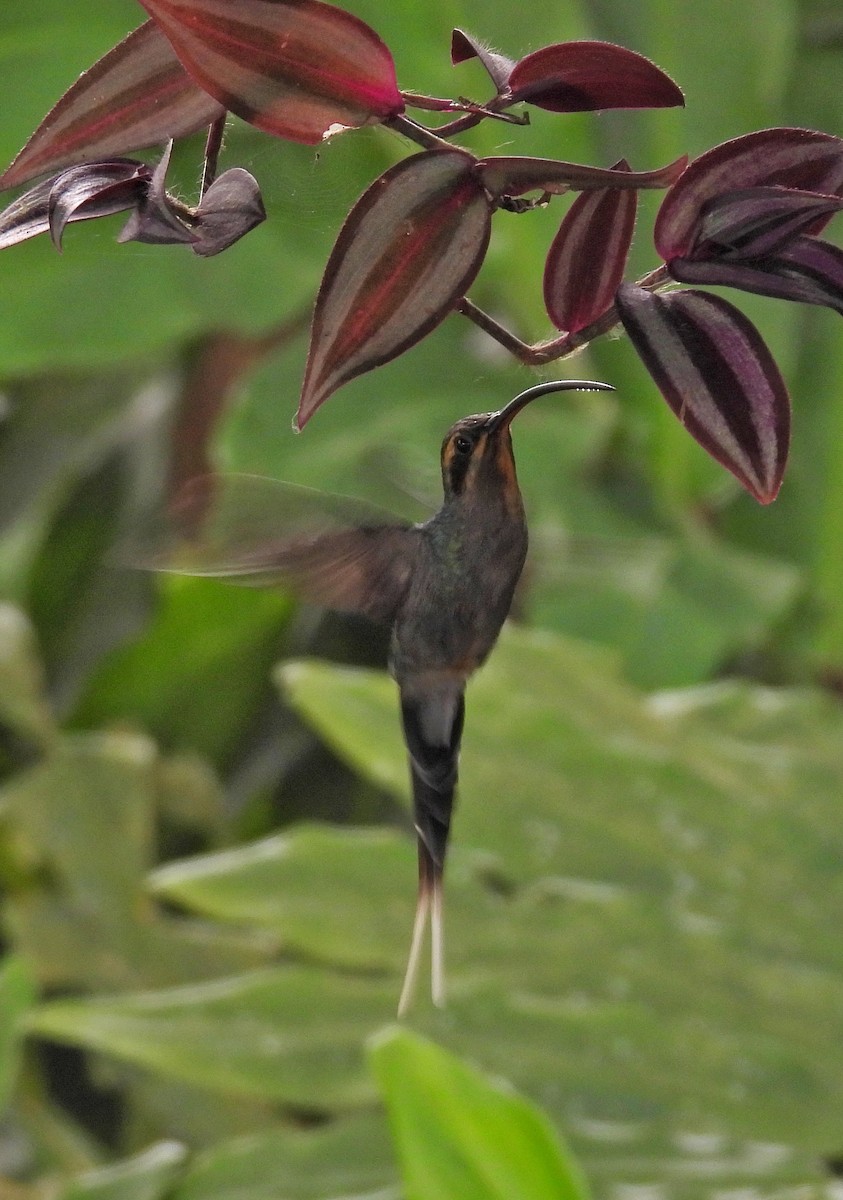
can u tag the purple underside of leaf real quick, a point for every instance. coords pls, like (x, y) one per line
(137, 95)
(800, 159)
(504, 176)
(809, 270)
(586, 261)
(754, 222)
(231, 207)
(716, 373)
(465, 46)
(585, 76)
(78, 194)
(299, 69)
(408, 251)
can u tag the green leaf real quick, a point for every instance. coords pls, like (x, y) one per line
(270, 883)
(23, 705)
(17, 995)
(147, 1176)
(292, 1035)
(459, 1134)
(348, 1157)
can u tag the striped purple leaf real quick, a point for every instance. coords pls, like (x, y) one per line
(137, 95)
(809, 270)
(753, 222)
(584, 76)
(587, 258)
(299, 69)
(408, 251)
(799, 159)
(716, 373)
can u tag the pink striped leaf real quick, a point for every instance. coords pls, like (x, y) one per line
(584, 76)
(799, 159)
(716, 373)
(505, 176)
(587, 259)
(137, 95)
(299, 69)
(407, 253)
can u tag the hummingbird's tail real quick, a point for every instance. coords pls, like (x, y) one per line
(433, 722)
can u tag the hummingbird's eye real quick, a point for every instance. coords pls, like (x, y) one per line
(462, 445)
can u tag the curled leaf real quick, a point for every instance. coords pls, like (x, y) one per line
(299, 69)
(754, 222)
(408, 251)
(231, 207)
(156, 220)
(809, 270)
(78, 194)
(584, 76)
(137, 95)
(505, 176)
(498, 67)
(716, 373)
(587, 258)
(800, 159)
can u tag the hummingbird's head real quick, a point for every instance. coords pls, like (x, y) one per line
(477, 451)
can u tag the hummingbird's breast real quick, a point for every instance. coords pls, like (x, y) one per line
(469, 562)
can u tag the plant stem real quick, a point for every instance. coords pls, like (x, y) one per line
(213, 145)
(567, 343)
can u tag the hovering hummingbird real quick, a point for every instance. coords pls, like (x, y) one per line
(444, 586)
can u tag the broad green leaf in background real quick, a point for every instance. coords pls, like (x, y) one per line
(642, 920)
(344, 1158)
(17, 994)
(23, 705)
(147, 1176)
(458, 1134)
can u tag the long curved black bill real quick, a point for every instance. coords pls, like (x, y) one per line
(506, 414)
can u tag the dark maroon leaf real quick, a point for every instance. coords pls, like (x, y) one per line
(114, 187)
(587, 258)
(584, 76)
(137, 95)
(801, 159)
(408, 251)
(809, 270)
(754, 222)
(299, 69)
(718, 376)
(156, 219)
(100, 189)
(230, 208)
(465, 46)
(514, 176)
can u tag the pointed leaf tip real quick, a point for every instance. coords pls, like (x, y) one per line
(716, 373)
(299, 69)
(408, 251)
(135, 96)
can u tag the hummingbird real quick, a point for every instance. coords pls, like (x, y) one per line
(444, 586)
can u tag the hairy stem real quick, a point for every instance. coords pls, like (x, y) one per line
(213, 145)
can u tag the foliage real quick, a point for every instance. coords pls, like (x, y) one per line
(205, 889)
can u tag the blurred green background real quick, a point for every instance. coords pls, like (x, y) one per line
(206, 869)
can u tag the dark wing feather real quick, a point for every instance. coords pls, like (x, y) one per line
(329, 550)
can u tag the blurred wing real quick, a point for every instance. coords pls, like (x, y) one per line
(330, 550)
